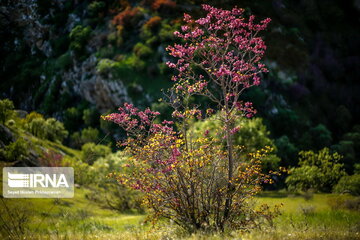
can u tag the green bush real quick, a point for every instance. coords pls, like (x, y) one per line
(105, 66)
(79, 36)
(95, 8)
(349, 184)
(91, 117)
(82, 171)
(64, 62)
(108, 191)
(6, 110)
(55, 130)
(86, 135)
(90, 152)
(15, 151)
(142, 51)
(49, 129)
(37, 127)
(318, 171)
(89, 135)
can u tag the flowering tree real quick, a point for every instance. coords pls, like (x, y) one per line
(195, 180)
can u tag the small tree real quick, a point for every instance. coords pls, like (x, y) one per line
(195, 180)
(318, 171)
(6, 110)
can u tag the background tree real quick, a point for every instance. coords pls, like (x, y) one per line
(6, 110)
(318, 171)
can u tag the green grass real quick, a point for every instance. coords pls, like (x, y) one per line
(80, 218)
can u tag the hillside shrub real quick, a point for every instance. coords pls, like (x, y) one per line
(6, 110)
(318, 171)
(349, 184)
(90, 152)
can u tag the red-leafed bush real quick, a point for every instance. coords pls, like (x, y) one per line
(128, 17)
(153, 22)
(163, 5)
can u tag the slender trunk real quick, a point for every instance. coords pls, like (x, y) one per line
(230, 186)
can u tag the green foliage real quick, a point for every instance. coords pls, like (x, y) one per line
(31, 116)
(89, 135)
(95, 8)
(166, 33)
(109, 192)
(85, 136)
(79, 36)
(316, 138)
(252, 136)
(349, 184)
(82, 171)
(37, 127)
(318, 171)
(55, 130)
(142, 51)
(6, 110)
(105, 66)
(15, 151)
(122, 68)
(63, 62)
(91, 117)
(49, 129)
(349, 147)
(90, 152)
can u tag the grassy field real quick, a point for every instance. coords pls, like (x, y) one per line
(311, 217)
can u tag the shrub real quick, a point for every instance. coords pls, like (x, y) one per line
(142, 51)
(90, 152)
(79, 36)
(55, 130)
(95, 8)
(152, 23)
(89, 135)
(49, 129)
(16, 151)
(91, 117)
(128, 18)
(166, 33)
(64, 62)
(31, 116)
(318, 171)
(107, 191)
(349, 184)
(105, 66)
(83, 174)
(6, 110)
(37, 127)
(196, 181)
(86, 135)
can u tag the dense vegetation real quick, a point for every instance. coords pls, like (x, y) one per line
(66, 63)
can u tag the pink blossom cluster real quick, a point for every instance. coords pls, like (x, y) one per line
(246, 108)
(134, 121)
(223, 44)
